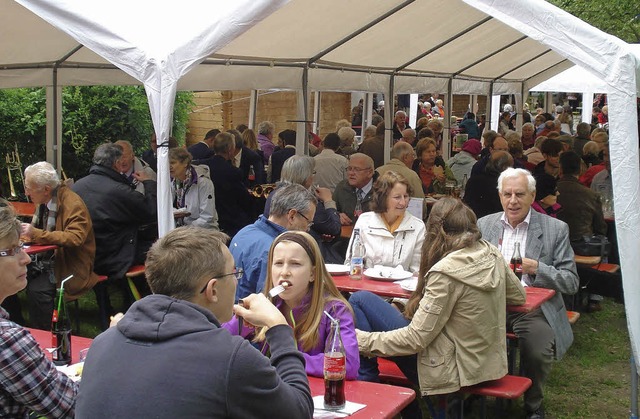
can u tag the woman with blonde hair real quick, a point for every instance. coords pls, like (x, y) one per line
(295, 262)
(456, 315)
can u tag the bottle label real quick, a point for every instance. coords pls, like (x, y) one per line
(54, 318)
(334, 365)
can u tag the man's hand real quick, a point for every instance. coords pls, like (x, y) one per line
(323, 194)
(141, 176)
(115, 319)
(26, 231)
(345, 220)
(529, 266)
(259, 311)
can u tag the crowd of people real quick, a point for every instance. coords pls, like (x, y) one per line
(210, 278)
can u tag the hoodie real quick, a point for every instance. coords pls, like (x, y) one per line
(459, 328)
(169, 358)
(461, 165)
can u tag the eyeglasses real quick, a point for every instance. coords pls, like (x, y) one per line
(238, 272)
(13, 251)
(357, 169)
(309, 222)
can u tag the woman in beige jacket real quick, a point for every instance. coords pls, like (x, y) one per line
(452, 333)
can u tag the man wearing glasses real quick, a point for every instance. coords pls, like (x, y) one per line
(292, 208)
(168, 356)
(357, 187)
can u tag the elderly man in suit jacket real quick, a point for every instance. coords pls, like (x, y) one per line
(547, 262)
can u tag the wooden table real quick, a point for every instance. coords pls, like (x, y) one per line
(381, 400)
(586, 260)
(381, 288)
(346, 231)
(535, 298)
(39, 248)
(43, 337)
(23, 209)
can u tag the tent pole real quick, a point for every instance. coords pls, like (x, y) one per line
(302, 144)
(389, 116)
(253, 107)
(316, 111)
(446, 132)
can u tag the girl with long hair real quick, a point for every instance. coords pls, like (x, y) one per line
(295, 259)
(452, 332)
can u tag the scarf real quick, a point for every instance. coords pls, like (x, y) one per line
(48, 213)
(182, 187)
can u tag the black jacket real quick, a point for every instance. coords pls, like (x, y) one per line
(117, 211)
(251, 158)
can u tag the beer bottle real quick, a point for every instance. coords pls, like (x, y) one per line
(357, 256)
(61, 331)
(516, 261)
(335, 369)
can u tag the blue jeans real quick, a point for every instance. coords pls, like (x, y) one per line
(373, 314)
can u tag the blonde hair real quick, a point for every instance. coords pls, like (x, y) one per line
(323, 290)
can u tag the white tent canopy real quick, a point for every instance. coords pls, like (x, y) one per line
(472, 46)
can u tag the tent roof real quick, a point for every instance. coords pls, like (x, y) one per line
(383, 37)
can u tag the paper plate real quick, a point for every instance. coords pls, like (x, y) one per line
(387, 274)
(409, 284)
(337, 269)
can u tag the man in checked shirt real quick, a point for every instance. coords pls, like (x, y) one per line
(29, 382)
(547, 262)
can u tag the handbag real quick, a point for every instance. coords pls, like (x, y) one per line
(596, 245)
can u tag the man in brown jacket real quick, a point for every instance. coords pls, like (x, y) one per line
(62, 219)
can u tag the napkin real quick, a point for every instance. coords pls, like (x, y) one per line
(319, 412)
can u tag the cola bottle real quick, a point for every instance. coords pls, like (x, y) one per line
(516, 261)
(335, 369)
(61, 331)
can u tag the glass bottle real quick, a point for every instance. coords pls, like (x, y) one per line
(356, 263)
(516, 261)
(252, 174)
(334, 369)
(61, 331)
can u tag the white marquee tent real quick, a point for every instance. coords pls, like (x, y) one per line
(391, 46)
(576, 79)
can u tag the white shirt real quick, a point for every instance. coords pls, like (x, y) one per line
(510, 236)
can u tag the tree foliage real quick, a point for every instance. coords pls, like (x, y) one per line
(615, 17)
(91, 115)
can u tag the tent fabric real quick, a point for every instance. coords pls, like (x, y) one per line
(477, 46)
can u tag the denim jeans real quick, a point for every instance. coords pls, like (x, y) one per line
(373, 314)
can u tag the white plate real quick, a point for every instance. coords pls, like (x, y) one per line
(337, 269)
(73, 371)
(385, 273)
(408, 284)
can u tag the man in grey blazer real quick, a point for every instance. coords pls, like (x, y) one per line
(547, 262)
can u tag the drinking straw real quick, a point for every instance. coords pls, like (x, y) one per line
(62, 289)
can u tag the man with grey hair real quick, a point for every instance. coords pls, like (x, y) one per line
(399, 124)
(171, 345)
(547, 262)
(266, 129)
(402, 157)
(292, 208)
(409, 136)
(61, 219)
(130, 164)
(357, 187)
(117, 211)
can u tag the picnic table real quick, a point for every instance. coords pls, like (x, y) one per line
(381, 400)
(78, 343)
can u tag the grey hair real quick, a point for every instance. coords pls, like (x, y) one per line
(370, 131)
(511, 173)
(400, 149)
(291, 196)
(42, 174)
(367, 159)
(346, 133)
(297, 169)
(528, 124)
(9, 224)
(511, 136)
(401, 113)
(266, 127)
(125, 145)
(107, 154)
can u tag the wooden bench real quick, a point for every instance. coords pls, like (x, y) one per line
(606, 267)
(573, 317)
(508, 387)
(101, 278)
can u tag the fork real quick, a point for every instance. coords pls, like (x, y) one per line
(275, 291)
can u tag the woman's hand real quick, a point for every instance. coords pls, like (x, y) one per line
(438, 172)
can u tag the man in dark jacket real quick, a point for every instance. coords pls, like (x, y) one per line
(204, 148)
(117, 211)
(178, 361)
(247, 161)
(481, 192)
(233, 202)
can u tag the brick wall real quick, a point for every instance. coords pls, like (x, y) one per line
(225, 110)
